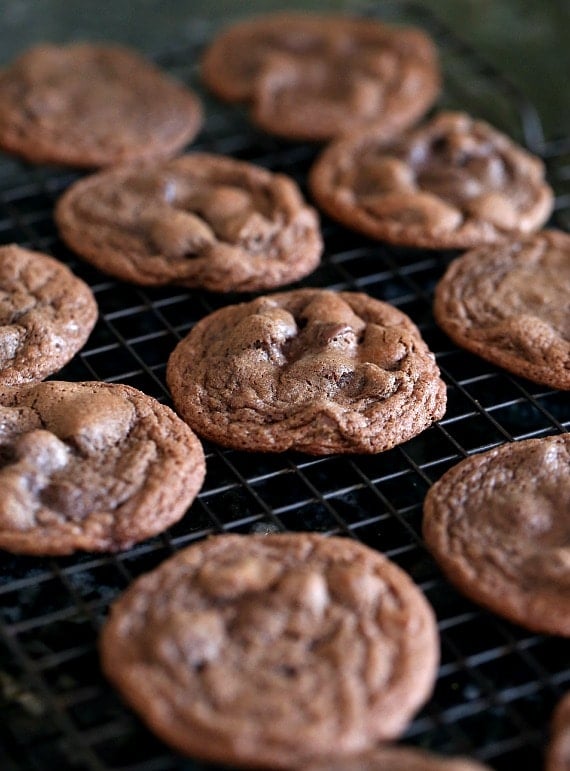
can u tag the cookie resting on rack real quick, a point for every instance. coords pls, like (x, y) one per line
(46, 315)
(201, 220)
(510, 304)
(498, 524)
(91, 466)
(453, 183)
(91, 104)
(267, 651)
(315, 77)
(311, 370)
(558, 750)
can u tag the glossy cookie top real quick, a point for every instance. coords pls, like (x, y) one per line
(454, 182)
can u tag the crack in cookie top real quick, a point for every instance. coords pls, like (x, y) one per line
(266, 650)
(453, 183)
(199, 220)
(510, 304)
(92, 105)
(317, 77)
(46, 315)
(311, 369)
(498, 524)
(91, 466)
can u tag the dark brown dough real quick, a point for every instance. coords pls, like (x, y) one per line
(92, 105)
(46, 315)
(313, 370)
(316, 77)
(91, 466)
(264, 651)
(453, 183)
(201, 221)
(498, 524)
(510, 304)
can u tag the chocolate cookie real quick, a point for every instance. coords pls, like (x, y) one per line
(46, 315)
(265, 651)
(311, 370)
(200, 221)
(453, 183)
(510, 304)
(92, 105)
(393, 758)
(498, 524)
(558, 752)
(91, 466)
(312, 77)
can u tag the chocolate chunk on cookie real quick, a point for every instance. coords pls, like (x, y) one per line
(316, 77)
(264, 651)
(498, 524)
(558, 751)
(46, 315)
(91, 466)
(92, 105)
(455, 182)
(393, 758)
(311, 370)
(200, 221)
(510, 304)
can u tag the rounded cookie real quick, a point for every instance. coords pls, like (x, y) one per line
(92, 104)
(312, 370)
(452, 183)
(264, 651)
(315, 77)
(498, 524)
(46, 315)
(395, 758)
(558, 751)
(200, 220)
(510, 304)
(91, 466)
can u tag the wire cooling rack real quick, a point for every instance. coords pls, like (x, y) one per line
(497, 683)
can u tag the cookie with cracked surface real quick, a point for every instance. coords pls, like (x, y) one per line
(452, 183)
(498, 524)
(46, 315)
(311, 370)
(200, 221)
(558, 751)
(264, 651)
(510, 304)
(395, 758)
(91, 466)
(91, 104)
(316, 77)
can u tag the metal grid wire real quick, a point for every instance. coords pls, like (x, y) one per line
(497, 683)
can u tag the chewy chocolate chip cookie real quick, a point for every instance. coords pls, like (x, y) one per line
(498, 524)
(311, 370)
(46, 315)
(200, 221)
(91, 466)
(92, 105)
(265, 651)
(558, 751)
(453, 183)
(510, 304)
(394, 758)
(316, 77)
